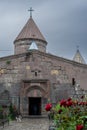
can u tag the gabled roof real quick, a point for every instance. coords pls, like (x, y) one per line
(30, 31)
(78, 57)
(33, 46)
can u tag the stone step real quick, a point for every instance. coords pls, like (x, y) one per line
(35, 116)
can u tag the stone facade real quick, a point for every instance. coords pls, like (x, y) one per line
(37, 74)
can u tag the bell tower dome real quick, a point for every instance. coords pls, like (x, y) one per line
(78, 57)
(28, 34)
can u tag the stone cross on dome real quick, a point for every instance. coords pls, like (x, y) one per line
(31, 10)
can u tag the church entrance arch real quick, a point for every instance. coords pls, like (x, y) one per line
(34, 100)
(34, 94)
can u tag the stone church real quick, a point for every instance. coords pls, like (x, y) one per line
(32, 77)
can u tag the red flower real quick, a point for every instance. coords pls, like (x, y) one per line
(48, 107)
(82, 103)
(69, 99)
(63, 103)
(69, 103)
(79, 127)
(66, 103)
(60, 111)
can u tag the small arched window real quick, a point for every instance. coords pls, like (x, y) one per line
(73, 81)
(35, 73)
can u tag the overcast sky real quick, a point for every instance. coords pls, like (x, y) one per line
(62, 22)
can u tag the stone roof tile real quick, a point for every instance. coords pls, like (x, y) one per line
(30, 31)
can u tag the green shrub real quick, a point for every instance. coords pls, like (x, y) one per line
(8, 62)
(1, 112)
(11, 115)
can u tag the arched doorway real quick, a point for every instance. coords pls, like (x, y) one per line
(36, 91)
(34, 101)
(34, 105)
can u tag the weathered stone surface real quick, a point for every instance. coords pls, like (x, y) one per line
(35, 72)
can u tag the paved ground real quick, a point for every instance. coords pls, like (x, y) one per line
(28, 124)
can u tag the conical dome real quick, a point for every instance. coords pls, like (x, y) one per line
(28, 34)
(30, 31)
(78, 57)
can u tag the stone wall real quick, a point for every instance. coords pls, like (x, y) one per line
(36, 65)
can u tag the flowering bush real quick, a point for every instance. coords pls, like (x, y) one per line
(69, 114)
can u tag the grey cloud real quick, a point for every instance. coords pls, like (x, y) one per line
(63, 23)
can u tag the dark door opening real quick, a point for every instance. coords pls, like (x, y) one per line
(34, 105)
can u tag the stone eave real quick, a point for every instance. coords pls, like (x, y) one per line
(30, 52)
(14, 56)
(60, 58)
